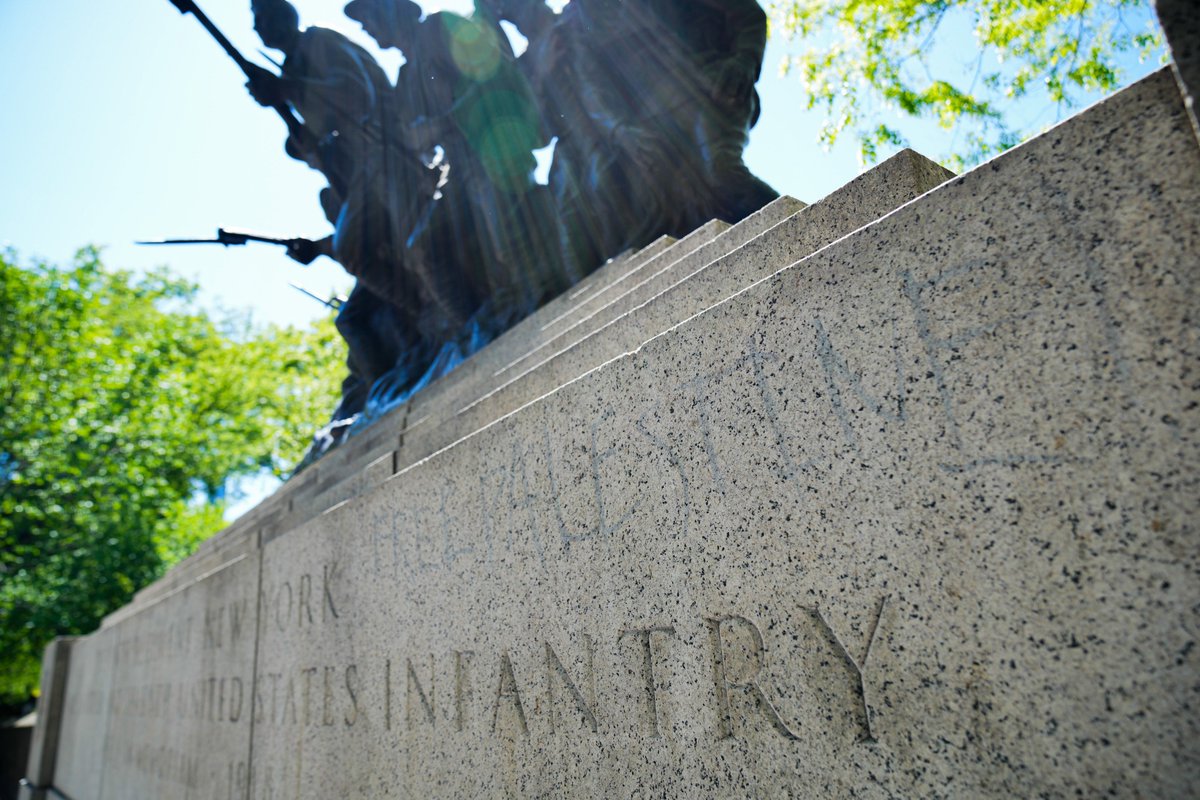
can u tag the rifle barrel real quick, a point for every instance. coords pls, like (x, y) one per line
(245, 236)
(190, 7)
(228, 237)
(285, 112)
(186, 241)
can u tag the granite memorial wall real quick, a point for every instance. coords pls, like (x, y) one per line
(889, 495)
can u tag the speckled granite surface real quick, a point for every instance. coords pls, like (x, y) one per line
(914, 517)
(691, 285)
(79, 764)
(158, 702)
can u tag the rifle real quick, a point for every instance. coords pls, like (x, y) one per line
(229, 238)
(295, 128)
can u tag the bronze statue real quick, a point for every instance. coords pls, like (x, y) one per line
(722, 43)
(332, 83)
(431, 191)
(468, 100)
(381, 201)
(651, 101)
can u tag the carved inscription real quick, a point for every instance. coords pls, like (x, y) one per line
(226, 624)
(213, 699)
(177, 773)
(544, 493)
(645, 637)
(325, 695)
(556, 690)
(305, 601)
(724, 678)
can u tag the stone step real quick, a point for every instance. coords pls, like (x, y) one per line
(342, 475)
(478, 374)
(585, 302)
(732, 262)
(614, 271)
(515, 341)
(585, 313)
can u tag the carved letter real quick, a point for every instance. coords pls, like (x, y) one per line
(327, 698)
(425, 700)
(554, 667)
(235, 699)
(450, 553)
(305, 600)
(837, 373)
(351, 682)
(387, 694)
(603, 526)
(673, 459)
(507, 690)
(237, 614)
(858, 666)
(281, 620)
(724, 682)
(329, 572)
(212, 628)
(289, 703)
(644, 638)
(308, 676)
(700, 389)
(461, 688)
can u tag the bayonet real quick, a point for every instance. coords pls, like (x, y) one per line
(267, 56)
(228, 237)
(334, 303)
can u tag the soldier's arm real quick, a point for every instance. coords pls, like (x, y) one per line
(306, 251)
(267, 88)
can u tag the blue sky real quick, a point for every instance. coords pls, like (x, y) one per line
(124, 121)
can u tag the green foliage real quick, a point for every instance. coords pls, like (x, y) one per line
(126, 412)
(865, 56)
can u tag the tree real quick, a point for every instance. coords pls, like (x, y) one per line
(126, 412)
(863, 57)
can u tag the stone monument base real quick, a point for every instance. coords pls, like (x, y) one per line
(893, 494)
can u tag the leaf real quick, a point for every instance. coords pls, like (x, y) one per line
(862, 62)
